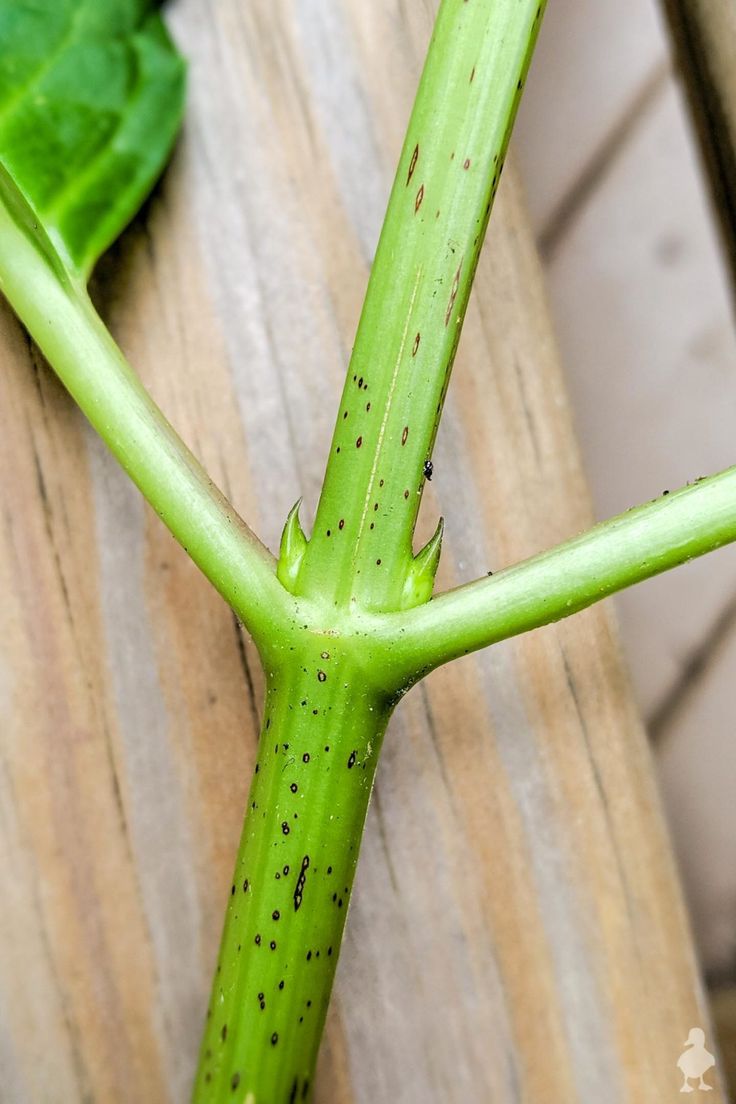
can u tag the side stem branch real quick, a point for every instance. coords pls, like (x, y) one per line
(61, 319)
(625, 550)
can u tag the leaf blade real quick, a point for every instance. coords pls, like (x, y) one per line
(88, 117)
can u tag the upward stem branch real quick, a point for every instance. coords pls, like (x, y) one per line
(361, 546)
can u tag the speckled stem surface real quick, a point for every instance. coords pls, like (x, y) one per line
(361, 546)
(328, 703)
(322, 731)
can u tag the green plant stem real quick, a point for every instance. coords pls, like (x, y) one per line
(321, 735)
(308, 804)
(360, 550)
(625, 550)
(61, 319)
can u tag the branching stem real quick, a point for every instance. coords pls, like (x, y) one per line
(617, 553)
(344, 626)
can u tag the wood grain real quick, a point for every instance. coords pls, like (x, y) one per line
(704, 35)
(517, 931)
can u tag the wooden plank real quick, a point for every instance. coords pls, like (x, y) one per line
(645, 327)
(595, 61)
(517, 931)
(697, 765)
(704, 34)
(724, 1011)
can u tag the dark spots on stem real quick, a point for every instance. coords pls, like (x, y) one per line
(412, 164)
(321, 676)
(428, 469)
(359, 442)
(415, 346)
(404, 435)
(274, 1038)
(351, 757)
(234, 1081)
(418, 200)
(305, 757)
(285, 827)
(300, 883)
(293, 787)
(453, 294)
(466, 163)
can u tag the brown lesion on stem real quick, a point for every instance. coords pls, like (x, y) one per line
(412, 164)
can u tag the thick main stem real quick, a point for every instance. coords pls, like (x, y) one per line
(322, 731)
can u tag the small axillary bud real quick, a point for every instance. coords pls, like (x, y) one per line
(422, 570)
(291, 553)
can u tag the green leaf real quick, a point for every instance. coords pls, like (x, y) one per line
(91, 98)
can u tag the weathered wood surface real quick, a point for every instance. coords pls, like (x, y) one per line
(704, 33)
(517, 931)
(643, 313)
(639, 299)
